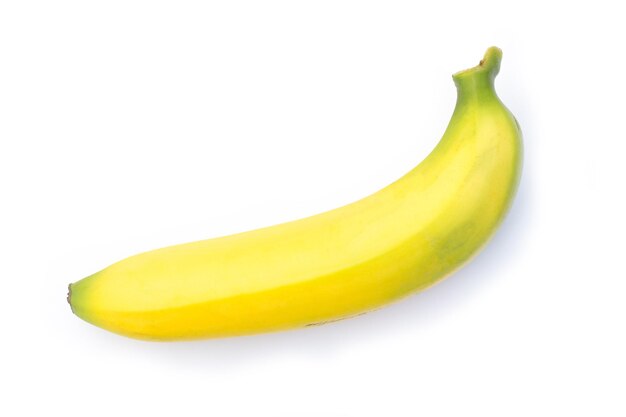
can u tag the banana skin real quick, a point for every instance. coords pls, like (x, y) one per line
(341, 263)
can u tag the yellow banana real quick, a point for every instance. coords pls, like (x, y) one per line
(337, 264)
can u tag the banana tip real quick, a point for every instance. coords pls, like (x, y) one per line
(69, 296)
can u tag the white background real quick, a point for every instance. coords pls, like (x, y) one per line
(131, 125)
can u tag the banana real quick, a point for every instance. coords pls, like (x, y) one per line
(334, 265)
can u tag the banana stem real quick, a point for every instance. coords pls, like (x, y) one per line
(477, 82)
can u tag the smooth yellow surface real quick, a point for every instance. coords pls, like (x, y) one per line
(337, 264)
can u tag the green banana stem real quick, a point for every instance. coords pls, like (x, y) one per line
(478, 82)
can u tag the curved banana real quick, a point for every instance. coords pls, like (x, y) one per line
(337, 264)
